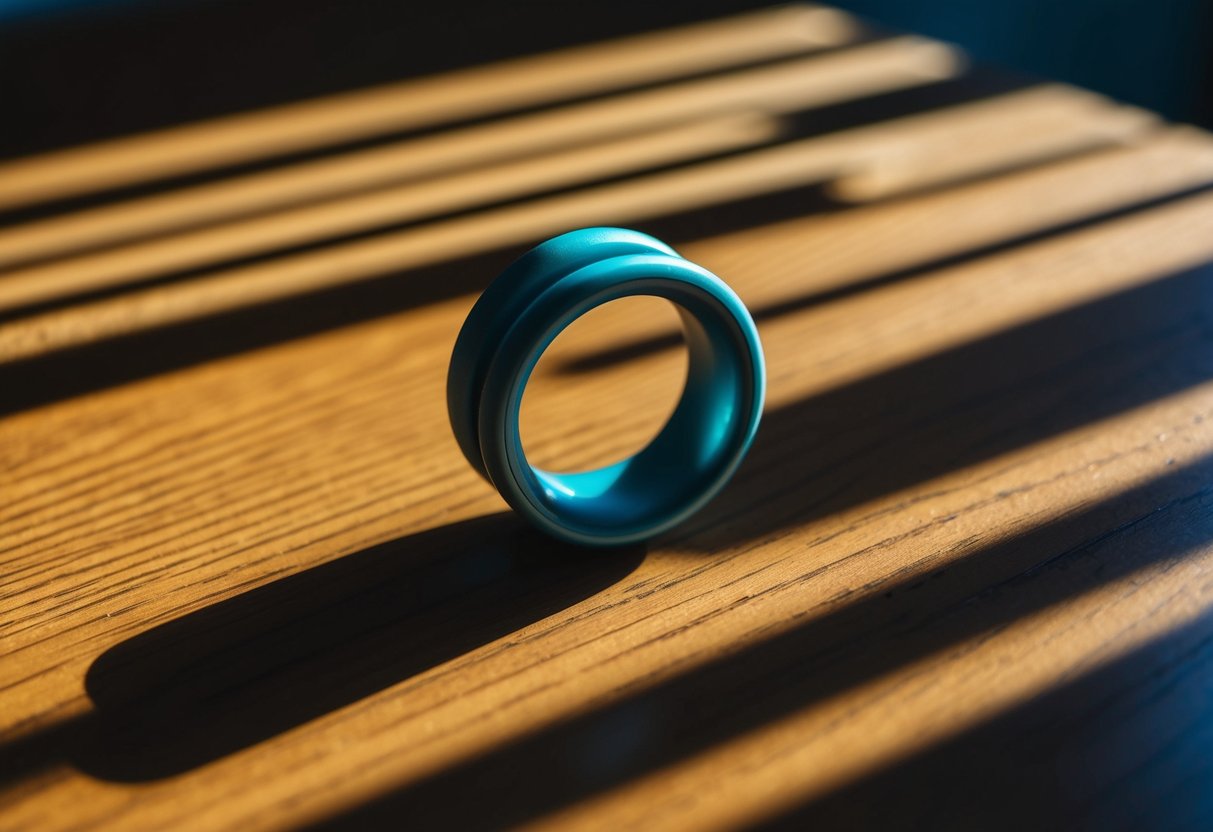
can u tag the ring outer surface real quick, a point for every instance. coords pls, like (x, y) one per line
(537, 297)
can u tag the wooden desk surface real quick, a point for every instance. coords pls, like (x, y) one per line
(963, 580)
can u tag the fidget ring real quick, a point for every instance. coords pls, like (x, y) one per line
(693, 456)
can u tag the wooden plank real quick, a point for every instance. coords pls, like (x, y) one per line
(928, 138)
(479, 91)
(388, 206)
(119, 520)
(915, 233)
(948, 684)
(1034, 137)
(963, 140)
(629, 201)
(972, 539)
(893, 64)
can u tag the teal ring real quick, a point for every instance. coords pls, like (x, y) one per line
(693, 456)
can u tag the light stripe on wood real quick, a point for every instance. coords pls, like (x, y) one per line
(1035, 137)
(754, 173)
(552, 669)
(867, 70)
(965, 139)
(983, 478)
(962, 140)
(479, 91)
(939, 141)
(399, 204)
(931, 314)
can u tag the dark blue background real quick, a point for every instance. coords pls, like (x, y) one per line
(1156, 53)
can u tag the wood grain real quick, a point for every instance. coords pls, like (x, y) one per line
(778, 88)
(962, 581)
(408, 105)
(384, 207)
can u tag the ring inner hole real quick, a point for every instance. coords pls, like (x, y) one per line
(605, 387)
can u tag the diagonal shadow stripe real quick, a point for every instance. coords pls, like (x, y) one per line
(877, 436)
(245, 669)
(1123, 746)
(895, 623)
(37, 381)
(914, 422)
(620, 353)
(952, 409)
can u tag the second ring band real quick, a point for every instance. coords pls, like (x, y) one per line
(685, 465)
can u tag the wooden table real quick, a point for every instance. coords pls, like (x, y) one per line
(963, 579)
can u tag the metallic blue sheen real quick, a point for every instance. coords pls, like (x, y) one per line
(693, 456)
